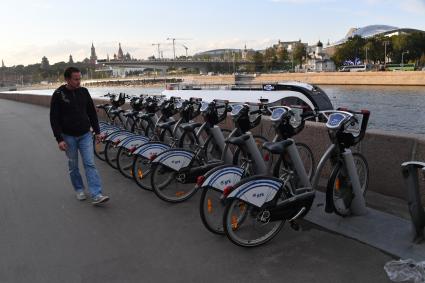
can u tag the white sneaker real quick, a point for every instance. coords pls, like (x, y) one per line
(81, 195)
(99, 199)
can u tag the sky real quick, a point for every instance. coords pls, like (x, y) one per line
(30, 30)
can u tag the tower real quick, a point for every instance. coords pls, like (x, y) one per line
(319, 48)
(93, 56)
(120, 53)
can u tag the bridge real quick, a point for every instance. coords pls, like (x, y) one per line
(164, 64)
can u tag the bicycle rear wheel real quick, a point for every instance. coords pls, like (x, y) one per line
(172, 186)
(249, 226)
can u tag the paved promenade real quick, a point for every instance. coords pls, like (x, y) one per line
(48, 236)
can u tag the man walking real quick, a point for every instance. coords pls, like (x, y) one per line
(72, 113)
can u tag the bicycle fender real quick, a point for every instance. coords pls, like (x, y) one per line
(133, 141)
(150, 149)
(258, 191)
(119, 136)
(107, 130)
(103, 124)
(223, 176)
(174, 158)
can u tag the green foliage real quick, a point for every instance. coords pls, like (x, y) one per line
(356, 47)
(299, 53)
(258, 60)
(353, 48)
(43, 71)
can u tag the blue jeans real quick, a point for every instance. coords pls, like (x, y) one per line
(84, 144)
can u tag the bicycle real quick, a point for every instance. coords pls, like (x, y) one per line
(268, 201)
(286, 123)
(181, 167)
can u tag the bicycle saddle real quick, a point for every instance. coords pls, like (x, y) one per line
(277, 147)
(165, 125)
(238, 140)
(146, 116)
(190, 127)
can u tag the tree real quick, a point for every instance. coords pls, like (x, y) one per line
(299, 53)
(45, 63)
(422, 60)
(282, 55)
(258, 60)
(351, 50)
(269, 59)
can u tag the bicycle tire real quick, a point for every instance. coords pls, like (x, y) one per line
(141, 172)
(99, 149)
(111, 154)
(207, 205)
(180, 195)
(259, 140)
(138, 127)
(125, 168)
(311, 163)
(166, 136)
(231, 226)
(188, 140)
(211, 150)
(339, 190)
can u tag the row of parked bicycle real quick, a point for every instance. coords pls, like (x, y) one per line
(250, 186)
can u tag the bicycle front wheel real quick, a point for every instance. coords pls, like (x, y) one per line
(247, 225)
(125, 162)
(99, 149)
(307, 158)
(341, 185)
(142, 172)
(188, 140)
(111, 154)
(210, 148)
(212, 210)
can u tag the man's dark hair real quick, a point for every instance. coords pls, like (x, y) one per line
(68, 72)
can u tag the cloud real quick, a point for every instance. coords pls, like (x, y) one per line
(410, 6)
(413, 6)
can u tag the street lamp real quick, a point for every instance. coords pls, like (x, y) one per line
(292, 56)
(366, 49)
(385, 52)
(402, 57)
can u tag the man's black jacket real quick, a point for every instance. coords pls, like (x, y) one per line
(72, 112)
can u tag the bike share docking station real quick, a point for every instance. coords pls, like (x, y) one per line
(417, 212)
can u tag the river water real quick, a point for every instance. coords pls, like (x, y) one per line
(393, 108)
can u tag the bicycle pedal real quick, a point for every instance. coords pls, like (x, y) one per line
(294, 225)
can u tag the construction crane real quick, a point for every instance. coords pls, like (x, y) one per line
(174, 45)
(159, 52)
